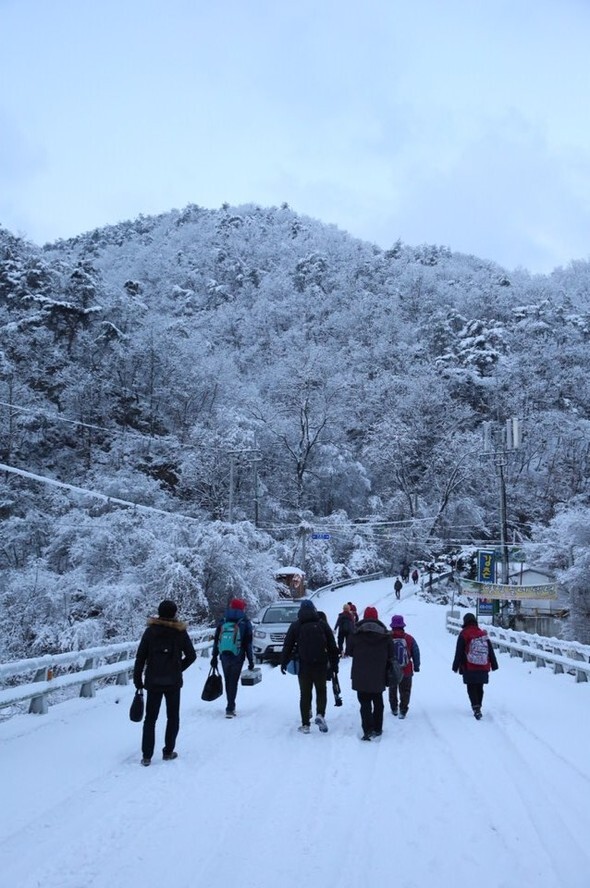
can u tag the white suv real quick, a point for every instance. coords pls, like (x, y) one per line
(269, 628)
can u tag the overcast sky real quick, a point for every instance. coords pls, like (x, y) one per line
(456, 122)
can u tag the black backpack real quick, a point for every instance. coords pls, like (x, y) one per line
(311, 642)
(164, 660)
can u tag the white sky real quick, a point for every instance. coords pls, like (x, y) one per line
(440, 800)
(462, 123)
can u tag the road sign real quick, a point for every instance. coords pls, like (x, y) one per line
(320, 536)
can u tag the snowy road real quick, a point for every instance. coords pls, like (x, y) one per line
(439, 800)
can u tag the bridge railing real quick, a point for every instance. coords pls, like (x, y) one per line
(351, 581)
(36, 678)
(564, 656)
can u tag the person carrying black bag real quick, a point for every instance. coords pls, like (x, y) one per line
(165, 651)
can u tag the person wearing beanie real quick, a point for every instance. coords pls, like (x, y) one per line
(407, 656)
(311, 641)
(474, 658)
(345, 624)
(165, 651)
(233, 642)
(371, 649)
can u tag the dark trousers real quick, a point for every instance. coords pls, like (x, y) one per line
(403, 691)
(309, 678)
(232, 666)
(475, 693)
(371, 711)
(152, 710)
(343, 641)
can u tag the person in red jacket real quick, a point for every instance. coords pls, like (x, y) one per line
(474, 657)
(408, 656)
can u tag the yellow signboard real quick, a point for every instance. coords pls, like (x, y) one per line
(547, 591)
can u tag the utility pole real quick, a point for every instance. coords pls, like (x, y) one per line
(500, 441)
(255, 458)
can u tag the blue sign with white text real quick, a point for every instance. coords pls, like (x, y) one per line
(486, 566)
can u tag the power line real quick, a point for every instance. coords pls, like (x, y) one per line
(101, 496)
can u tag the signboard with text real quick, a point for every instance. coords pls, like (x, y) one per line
(547, 591)
(486, 566)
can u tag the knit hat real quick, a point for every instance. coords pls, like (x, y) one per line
(167, 610)
(306, 605)
(469, 620)
(370, 613)
(237, 604)
(397, 622)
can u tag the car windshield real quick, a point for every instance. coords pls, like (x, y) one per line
(281, 615)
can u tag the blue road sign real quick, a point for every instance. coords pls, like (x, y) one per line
(320, 536)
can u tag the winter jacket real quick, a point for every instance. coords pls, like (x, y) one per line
(473, 674)
(345, 622)
(313, 641)
(165, 651)
(398, 585)
(413, 651)
(236, 615)
(371, 648)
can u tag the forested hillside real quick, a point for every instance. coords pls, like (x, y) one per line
(247, 375)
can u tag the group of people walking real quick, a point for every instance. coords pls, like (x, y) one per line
(383, 658)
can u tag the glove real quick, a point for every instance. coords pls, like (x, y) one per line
(214, 662)
(416, 669)
(250, 666)
(335, 669)
(283, 670)
(139, 687)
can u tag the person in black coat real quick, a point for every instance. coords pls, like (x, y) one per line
(475, 674)
(371, 648)
(312, 641)
(344, 626)
(165, 651)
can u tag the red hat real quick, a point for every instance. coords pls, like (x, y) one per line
(371, 613)
(237, 604)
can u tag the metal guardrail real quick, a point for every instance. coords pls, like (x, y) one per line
(565, 656)
(351, 581)
(84, 668)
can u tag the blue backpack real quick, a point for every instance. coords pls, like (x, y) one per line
(401, 653)
(230, 639)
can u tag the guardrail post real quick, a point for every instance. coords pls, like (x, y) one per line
(123, 677)
(88, 689)
(39, 705)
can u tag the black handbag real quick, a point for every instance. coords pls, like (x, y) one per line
(136, 708)
(213, 686)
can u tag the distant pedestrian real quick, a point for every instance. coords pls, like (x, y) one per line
(405, 574)
(344, 628)
(165, 651)
(233, 642)
(371, 648)
(398, 586)
(407, 654)
(415, 576)
(312, 640)
(474, 657)
(354, 612)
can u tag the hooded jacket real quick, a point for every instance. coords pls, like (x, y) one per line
(165, 651)
(318, 646)
(473, 674)
(371, 648)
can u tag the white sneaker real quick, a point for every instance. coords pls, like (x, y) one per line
(305, 729)
(321, 723)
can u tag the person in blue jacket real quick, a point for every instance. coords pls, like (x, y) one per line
(233, 642)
